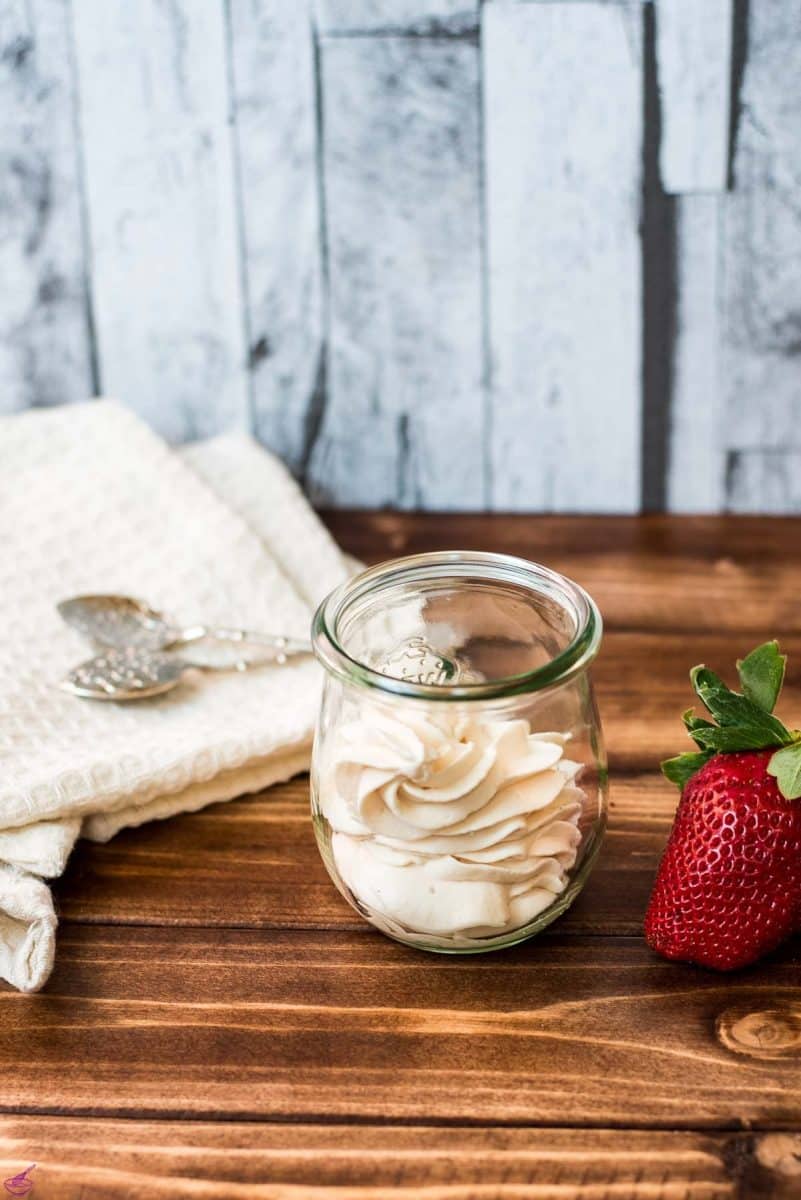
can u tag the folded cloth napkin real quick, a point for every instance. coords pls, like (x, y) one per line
(92, 501)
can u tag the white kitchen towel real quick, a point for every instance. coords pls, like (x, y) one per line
(91, 500)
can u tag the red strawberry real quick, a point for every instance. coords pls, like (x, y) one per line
(728, 888)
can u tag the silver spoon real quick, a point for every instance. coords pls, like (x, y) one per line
(134, 674)
(123, 622)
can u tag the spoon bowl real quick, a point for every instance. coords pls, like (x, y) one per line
(118, 621)
(129, 674)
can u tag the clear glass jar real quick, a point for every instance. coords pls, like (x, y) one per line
(458, 774)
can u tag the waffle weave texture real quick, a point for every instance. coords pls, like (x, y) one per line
(92, 501)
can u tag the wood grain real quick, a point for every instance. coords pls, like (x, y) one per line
(259, 864)
(254, 863)
(150, 1160)
(694, 66)
(306, 1025)
(164, 244)
(700, 590)
(44, 331)
(403, 411)
(562, 115)
(708, 574)
(276, 144)
(220, 1023)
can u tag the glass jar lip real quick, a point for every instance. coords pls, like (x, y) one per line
(575, 658)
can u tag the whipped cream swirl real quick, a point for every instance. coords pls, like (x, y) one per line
(454, 827)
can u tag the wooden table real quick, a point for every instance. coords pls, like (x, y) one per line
(221, 1024)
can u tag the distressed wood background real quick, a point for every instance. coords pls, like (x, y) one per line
(518, 254)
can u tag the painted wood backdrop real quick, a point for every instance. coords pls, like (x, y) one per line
(519, 254)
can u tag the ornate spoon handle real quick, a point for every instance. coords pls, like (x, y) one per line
(285, 646)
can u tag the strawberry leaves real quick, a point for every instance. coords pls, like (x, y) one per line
(732, 711)
(681, 768)
(762, 674)
(691, 722)
(785, 765)
(732, 738)
(744, 719)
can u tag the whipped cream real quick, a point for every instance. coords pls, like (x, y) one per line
(450, 826)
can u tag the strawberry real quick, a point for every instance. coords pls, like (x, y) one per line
(728, 889)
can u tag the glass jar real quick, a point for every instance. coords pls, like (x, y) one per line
(458, 776)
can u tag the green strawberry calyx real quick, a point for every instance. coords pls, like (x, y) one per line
(742, 720)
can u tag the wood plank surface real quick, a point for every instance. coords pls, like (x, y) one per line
(708, 574)
(162, 212)
(220, 1022)
(151, 1160)
(562, 119)
(45, 353)
(257, 857)
(403, 405)
(259, 863)
(254, 863)
(308, 1025)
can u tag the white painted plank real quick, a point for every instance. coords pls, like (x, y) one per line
(403, 421)
(421, 16)
(563, 134)
(762, 242)
(694, 68)
(697, 458)
(274, 90)
(765, 481)
(44, 333)
(160, 187)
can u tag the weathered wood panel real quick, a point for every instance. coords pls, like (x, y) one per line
(697, 453)
(396, 16)
(385, 402)
(303, 1025)
(765, 481)
(762, 265)
(151, 1160)
(694, 61)
(44, 329)
(164, 242)
(276, 141)
(404, 406)
(563, 133)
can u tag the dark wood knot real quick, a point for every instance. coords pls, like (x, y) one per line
(771, 1033)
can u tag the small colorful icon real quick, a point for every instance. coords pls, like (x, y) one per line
(20, 1185)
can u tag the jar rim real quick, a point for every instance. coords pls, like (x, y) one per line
(535, 577)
